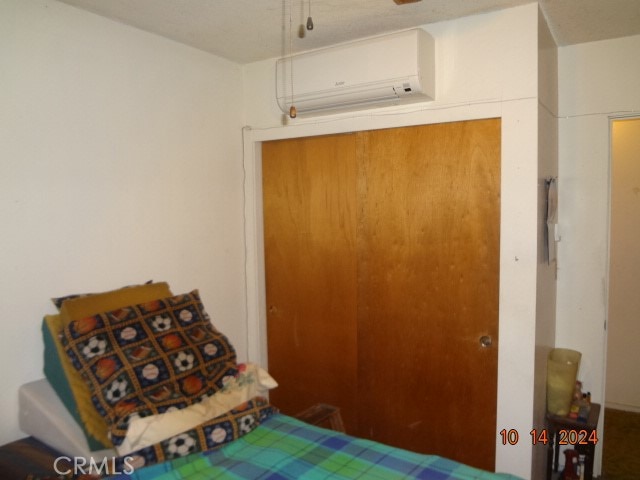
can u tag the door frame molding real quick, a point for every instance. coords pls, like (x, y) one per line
(517, 374)
(611, 120)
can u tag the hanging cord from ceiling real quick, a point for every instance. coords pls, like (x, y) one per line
(293, 113)
(309, 19)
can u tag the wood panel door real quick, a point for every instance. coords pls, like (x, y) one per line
(311, 272)
(394, 299)
(428, 240)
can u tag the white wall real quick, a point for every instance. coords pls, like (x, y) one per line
(121, 161)
(546, 284)
(623, 325)
(597, 81)
(486, 66)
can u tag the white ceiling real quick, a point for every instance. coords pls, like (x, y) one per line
(248, 30)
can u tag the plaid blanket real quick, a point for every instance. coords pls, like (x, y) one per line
(285, 448)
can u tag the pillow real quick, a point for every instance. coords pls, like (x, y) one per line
(149, 358)
(80, 307)
(65, 380)
(58, 301)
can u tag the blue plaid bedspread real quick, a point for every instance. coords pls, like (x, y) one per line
(285, 448)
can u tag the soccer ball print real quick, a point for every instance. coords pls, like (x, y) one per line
(246, 423)
(161, 323)
(117, 389)
(181, 445)
(184, 361)
(96, 345)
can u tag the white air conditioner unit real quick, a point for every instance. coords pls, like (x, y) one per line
(387, 70)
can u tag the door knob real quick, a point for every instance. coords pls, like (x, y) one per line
(485, 341)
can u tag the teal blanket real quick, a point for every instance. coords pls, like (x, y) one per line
(285, 448)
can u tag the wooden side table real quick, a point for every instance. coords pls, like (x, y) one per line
(322, 414)
(582, 436)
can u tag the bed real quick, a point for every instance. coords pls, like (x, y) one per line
(286, 448)
(140, 385)
(281, 448)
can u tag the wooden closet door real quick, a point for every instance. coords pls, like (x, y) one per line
(428, 271)
(382, 267)
(309, 199)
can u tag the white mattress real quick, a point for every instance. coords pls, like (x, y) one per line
(43, 416)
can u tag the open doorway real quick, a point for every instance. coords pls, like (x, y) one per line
(621, 454)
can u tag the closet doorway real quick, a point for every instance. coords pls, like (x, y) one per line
(382, 277)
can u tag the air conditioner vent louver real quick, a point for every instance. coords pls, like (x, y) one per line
(387, 70)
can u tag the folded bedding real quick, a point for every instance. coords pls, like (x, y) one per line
(149, 359)
(66, 380)
(250, 382)
(282, 447)
(204, 437)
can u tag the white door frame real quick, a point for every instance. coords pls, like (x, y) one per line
(518, 248)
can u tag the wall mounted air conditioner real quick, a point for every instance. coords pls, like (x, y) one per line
(387, 70)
